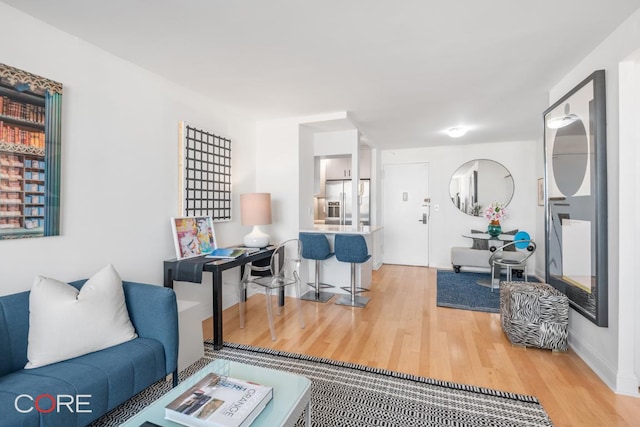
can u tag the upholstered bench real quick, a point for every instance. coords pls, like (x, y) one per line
(534, 315)
(483, 246)
(469, 257)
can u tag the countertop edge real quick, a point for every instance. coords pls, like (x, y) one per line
(342, 229)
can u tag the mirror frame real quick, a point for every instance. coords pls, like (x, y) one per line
(479, 211)
(586, 206)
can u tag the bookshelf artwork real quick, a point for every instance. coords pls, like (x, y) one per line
(205, 174)
(30, 111)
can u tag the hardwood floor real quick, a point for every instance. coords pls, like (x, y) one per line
(402, 329)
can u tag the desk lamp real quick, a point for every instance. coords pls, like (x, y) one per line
(255, 209)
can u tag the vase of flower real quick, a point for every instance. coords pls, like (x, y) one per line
(494, 229)
(494, 213)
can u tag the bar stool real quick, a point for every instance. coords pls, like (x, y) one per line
(315, 246)
(352, 248)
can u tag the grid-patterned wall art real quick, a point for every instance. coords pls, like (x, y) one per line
(205, 174)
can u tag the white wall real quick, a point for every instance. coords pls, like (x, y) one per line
(600, 347)
(284, 168)
(629, 212)
(277, 172)
(448, 224)
(336, 143)
(119, 160)
(307, 174)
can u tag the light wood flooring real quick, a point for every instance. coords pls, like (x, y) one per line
(402, 329)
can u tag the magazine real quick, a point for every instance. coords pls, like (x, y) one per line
(217, 401)
(226, 253)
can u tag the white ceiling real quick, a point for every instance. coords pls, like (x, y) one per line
(406, 70)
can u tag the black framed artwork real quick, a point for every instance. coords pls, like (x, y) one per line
(205, 174)
(576, 198)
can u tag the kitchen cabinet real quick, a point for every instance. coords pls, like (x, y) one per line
(340, 167)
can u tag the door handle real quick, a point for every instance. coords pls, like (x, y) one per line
(424, 218)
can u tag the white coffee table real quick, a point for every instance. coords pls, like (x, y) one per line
(291, 395)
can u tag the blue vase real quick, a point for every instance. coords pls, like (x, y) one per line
(494, 229)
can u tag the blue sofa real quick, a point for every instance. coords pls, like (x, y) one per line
(110, 376)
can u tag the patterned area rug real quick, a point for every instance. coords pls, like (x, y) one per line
(461, 290)
(345, 394)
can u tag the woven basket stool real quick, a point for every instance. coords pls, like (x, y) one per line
(534, 315)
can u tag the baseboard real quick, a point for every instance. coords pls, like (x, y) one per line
(618, 383)
(592, 359)
(628, 385)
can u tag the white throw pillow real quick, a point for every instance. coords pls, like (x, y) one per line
(66, 323)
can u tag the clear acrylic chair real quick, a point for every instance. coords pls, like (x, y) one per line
(282, 271)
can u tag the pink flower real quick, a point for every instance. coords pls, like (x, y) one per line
(495, 211)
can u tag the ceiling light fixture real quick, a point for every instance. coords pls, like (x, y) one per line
(561, 121)
(456, 132)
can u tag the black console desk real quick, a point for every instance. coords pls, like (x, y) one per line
(190, 270)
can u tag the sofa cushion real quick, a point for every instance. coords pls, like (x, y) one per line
(110, 376)
(14, 329)
(26, 389)
(66, 323)
(479, 244)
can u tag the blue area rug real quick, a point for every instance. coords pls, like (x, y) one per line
(460, 290)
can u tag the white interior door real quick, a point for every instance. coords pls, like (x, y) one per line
(406, 214)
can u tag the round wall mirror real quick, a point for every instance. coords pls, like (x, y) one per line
(479, 182)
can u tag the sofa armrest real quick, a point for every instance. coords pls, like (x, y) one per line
(154, 313)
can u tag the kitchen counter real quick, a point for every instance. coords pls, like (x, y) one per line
(343, 229)
(338, 273)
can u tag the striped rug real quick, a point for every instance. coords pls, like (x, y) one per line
(345, 394)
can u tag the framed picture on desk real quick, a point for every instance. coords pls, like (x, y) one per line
(193, 236)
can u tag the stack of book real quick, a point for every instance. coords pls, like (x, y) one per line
(218, 401)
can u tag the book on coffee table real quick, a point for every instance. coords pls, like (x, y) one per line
(217, 401)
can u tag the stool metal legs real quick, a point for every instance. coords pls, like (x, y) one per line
(315, 294)
(353, 300)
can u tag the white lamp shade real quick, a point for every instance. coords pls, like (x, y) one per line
(255, 209)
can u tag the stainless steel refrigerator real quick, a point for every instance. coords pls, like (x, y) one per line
(338, 194)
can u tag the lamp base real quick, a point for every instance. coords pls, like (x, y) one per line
(257, 238)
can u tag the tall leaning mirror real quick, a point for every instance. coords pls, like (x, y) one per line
(479, 182)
